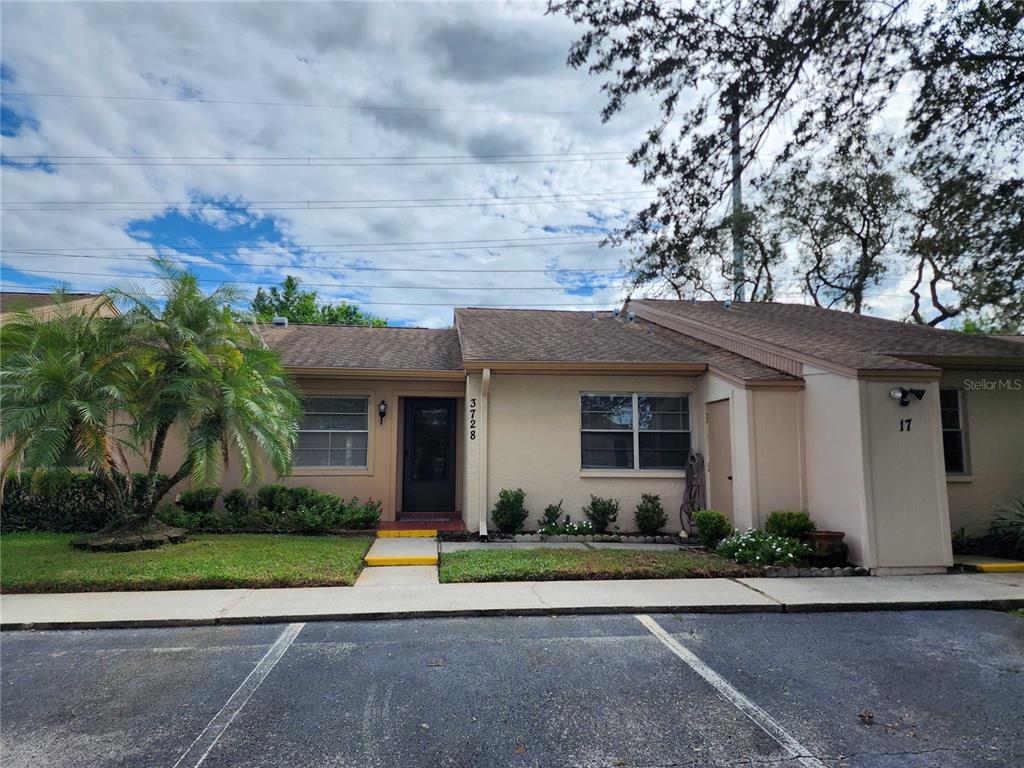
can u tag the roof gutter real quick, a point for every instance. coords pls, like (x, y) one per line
(558, 366)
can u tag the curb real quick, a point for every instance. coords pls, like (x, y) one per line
(998, 605)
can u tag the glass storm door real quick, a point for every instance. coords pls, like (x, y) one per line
(428, 459)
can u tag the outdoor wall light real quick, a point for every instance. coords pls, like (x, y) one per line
(903, 395)
(382, 409)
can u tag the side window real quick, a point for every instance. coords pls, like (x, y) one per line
(951, 414)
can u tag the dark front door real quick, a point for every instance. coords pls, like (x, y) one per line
(428, 462)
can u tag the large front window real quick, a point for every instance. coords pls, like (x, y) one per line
(634, 431)
(333, 432)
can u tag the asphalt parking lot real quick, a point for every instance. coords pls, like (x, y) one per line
(847, 689)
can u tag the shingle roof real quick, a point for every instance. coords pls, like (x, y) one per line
(12, 301)
(854, 341)
(516, 335)
(361, 347)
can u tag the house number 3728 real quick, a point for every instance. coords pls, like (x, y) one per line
(905, 425)
(472, 418)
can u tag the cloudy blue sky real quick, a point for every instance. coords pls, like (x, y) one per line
(433, 137)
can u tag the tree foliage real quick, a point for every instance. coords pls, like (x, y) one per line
(91, 391)
(301, 306)
(811, 79)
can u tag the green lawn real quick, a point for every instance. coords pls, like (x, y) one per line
(46, 562)
(566, 564)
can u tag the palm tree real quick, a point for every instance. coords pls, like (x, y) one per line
(64, 385)
(185, 361)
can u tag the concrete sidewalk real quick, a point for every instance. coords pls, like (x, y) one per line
(238, 606)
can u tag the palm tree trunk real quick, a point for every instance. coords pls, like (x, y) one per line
(147, 506)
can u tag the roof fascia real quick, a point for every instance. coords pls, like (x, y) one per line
(708, 333)
(377, 373)
(792, 383)
(546, 366)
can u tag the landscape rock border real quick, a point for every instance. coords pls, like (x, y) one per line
(130, 542)
(610, 538)
(793, 572)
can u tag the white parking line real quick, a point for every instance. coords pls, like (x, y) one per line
(760, 718)
(200, 748)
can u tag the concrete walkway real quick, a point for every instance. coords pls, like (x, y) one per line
(392, 601)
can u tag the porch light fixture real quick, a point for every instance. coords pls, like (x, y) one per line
(382, 410)
(903, 395)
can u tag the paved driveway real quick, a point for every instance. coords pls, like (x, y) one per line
(857, 689)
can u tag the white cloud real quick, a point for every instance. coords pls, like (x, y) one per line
(469, 56)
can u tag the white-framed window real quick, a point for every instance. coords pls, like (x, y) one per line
(333, 432)
(633, 430)
(952, 418)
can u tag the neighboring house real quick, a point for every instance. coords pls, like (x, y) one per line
(793, 407)
(41, 304)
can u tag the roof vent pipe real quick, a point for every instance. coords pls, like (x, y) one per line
(593, 314)
(631, 316)
(278, 320)
(727, 303)
(616, 311)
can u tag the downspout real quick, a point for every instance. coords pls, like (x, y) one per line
(485, 388)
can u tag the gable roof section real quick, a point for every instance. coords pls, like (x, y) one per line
(362, 348)
(842, 340)
(14, 301)
(545, 338)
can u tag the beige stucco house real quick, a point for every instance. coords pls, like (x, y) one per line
(42, 304)
(893, 433)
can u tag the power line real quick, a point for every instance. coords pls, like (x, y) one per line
(310, 105)
(264, 246)
(314, 206)
(385, 287)
(324, 158)
(471, 200)
(452, 304)
(42, 160)
(279, 265)
(314, 285)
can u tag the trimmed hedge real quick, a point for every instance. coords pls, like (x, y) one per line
(60, 501)
(275, 508)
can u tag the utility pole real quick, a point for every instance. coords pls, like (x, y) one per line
(738, 287)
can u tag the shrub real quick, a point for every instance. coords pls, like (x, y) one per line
(601, 512)
(315, 514)
(173, 515)
(274, 498)
(239, 508)
(650, 516)
(581, 528)
(360, 516)
(60, 500)
(197, 512)
(568, 527)
(712, 526)
(789, 524)
(1007, 529)
(198, 501)
(762, 548)
(510, 513)
(552, 514)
